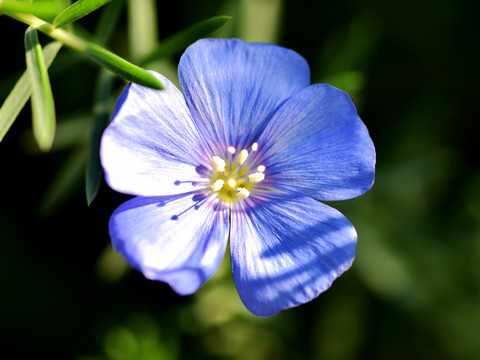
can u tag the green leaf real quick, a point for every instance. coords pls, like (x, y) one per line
(18, 97)
(101, 113)
(102, 56)
(121, 67)
(44, 9)
(43, 107)
(179, 41)
(62, 5)
(77, 10)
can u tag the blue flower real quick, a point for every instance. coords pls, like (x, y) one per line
(242, 156)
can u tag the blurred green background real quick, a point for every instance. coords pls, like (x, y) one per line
(414, 289)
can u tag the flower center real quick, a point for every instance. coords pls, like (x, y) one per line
(233, 179)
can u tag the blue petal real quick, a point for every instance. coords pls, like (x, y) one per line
(316, 145)
(286, 250)
(232, 88)
(178, 239)
(152, 146)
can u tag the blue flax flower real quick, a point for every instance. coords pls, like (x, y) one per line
(240, 156)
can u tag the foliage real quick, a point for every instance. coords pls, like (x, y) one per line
(414, 288)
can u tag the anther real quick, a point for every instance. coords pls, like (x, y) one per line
(242, 193)
(261, 168)
(231, 150)
(242, 156)
(217, 185)
(256, 177)
(254, 146)
(219, 163)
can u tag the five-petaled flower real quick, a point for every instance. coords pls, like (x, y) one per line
(242, 156)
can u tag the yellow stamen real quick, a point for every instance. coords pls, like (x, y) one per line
(254, 146)
(217, 185)
(261, 168)
(219, 163)
(242, 156)
(256, 177)
(231, 150)
(232, 183)
(242, 193)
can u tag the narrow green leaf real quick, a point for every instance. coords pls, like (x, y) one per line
(179, 41)
(43, 9)
(62, 5)
(101, 114)
(108, 21)
(18, 97)
(121, 67)
(43, 107)
(77, 10)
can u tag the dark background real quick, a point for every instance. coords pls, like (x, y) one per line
(414, 289)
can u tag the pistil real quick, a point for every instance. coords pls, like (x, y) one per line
(235, 181)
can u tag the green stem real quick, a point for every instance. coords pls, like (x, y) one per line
(58, 34)
(102, 56)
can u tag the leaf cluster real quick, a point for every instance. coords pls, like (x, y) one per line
(58, 20)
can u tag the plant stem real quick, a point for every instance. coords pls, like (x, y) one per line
(58, 34)
(100, 55)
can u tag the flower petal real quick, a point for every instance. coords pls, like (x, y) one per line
(177, 239)
(286, 250)
(232, 88)
(152, 146)
(316, 145)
